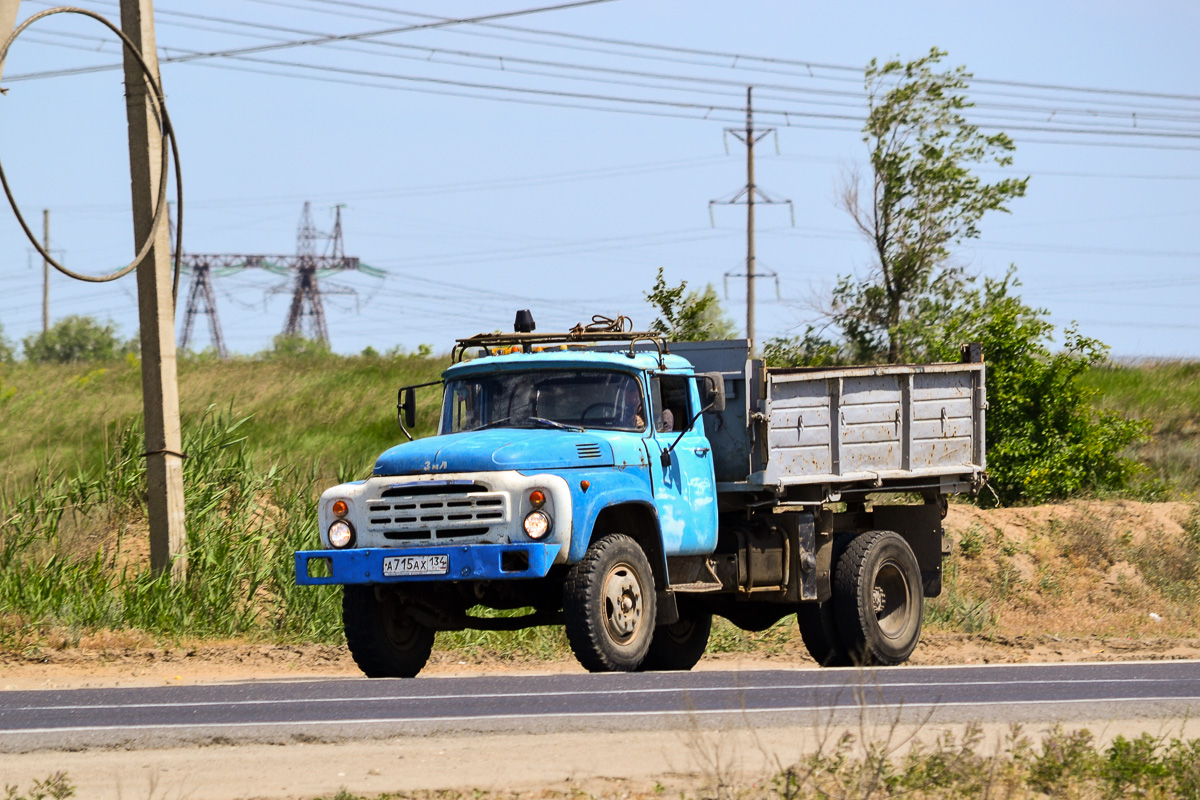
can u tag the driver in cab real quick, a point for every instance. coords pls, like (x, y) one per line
(630, 414)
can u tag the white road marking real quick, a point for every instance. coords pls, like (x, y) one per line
(491, 717)
(533, 694)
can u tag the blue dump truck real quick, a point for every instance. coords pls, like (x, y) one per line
(630, 488)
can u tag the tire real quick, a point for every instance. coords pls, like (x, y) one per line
(609, 605)
(384, 640)
(818, 630)
(878, 599)
(680, 645)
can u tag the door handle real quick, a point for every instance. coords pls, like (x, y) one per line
(701, 451)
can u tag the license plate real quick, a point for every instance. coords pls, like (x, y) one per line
(433, 564)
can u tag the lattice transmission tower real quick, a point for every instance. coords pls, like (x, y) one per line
(201, 301)
(307, 266)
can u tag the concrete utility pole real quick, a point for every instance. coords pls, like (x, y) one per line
(156, 308)
(750, 189)
(46, 271)
(750, 195)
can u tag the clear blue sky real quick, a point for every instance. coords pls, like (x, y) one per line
(485, 169)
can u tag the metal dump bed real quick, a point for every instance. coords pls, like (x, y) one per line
(886, 427)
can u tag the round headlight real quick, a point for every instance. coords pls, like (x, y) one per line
(537, 524)
(341, 534)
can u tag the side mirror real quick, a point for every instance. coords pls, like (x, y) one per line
(406, 410)
(713, 391)
(406, 406)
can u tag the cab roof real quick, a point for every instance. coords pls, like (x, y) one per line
(562, 359)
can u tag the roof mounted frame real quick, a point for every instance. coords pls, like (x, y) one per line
(528, 340)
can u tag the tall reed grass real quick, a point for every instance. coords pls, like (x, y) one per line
(72, 547)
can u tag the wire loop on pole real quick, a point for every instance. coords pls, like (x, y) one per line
(166, 131)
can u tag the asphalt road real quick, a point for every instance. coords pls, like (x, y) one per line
(331, 710)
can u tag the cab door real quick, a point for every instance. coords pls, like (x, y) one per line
(685, 489)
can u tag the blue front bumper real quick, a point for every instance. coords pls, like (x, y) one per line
(473, 562)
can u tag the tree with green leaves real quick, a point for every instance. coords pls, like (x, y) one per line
(76, 338)
(688, 316)
(921, 199)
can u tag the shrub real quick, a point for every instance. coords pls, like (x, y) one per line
(292, 345)
(77, 338)
(1046, 439)
(6, 348)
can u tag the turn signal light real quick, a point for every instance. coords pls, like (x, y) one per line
(340, 508)
(537, 498)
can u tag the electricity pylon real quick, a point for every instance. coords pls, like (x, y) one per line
(749, 196)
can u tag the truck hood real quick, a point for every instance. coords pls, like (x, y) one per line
(497, 449)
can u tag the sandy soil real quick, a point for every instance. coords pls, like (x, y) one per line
(140, 666)
(731, 763)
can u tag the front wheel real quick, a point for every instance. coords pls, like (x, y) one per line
(384, 639)
(878, 599)
(609, 605)
(680, 645)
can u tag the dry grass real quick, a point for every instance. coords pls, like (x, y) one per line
(1111, 568)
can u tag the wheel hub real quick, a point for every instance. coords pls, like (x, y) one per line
(889, 599)
(622, 602)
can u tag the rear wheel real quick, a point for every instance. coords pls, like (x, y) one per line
(878, 599)
(384, 639)
(609, 605)
(680, 645)
(818, 629)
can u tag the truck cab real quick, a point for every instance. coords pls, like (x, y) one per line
(537, 455)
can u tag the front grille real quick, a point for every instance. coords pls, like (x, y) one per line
(588, 450)
(437, 511)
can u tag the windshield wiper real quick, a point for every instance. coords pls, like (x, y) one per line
(496, 423)
(525, 421)
(553, 424)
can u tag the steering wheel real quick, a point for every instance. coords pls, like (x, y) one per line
(608, 419)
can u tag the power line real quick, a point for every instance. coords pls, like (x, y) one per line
(579, 99)
(502, 60)
(328, 38)
(735, 58)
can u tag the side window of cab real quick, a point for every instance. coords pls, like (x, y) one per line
(672, 407)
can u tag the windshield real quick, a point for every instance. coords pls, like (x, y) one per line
(575, 399)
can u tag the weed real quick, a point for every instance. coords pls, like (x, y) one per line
(728, 638)
(970, 545)
(55, 787)
(1065, 756)
(953, 610)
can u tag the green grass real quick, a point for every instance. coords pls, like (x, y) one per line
(337, 413)
(1168, 394)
